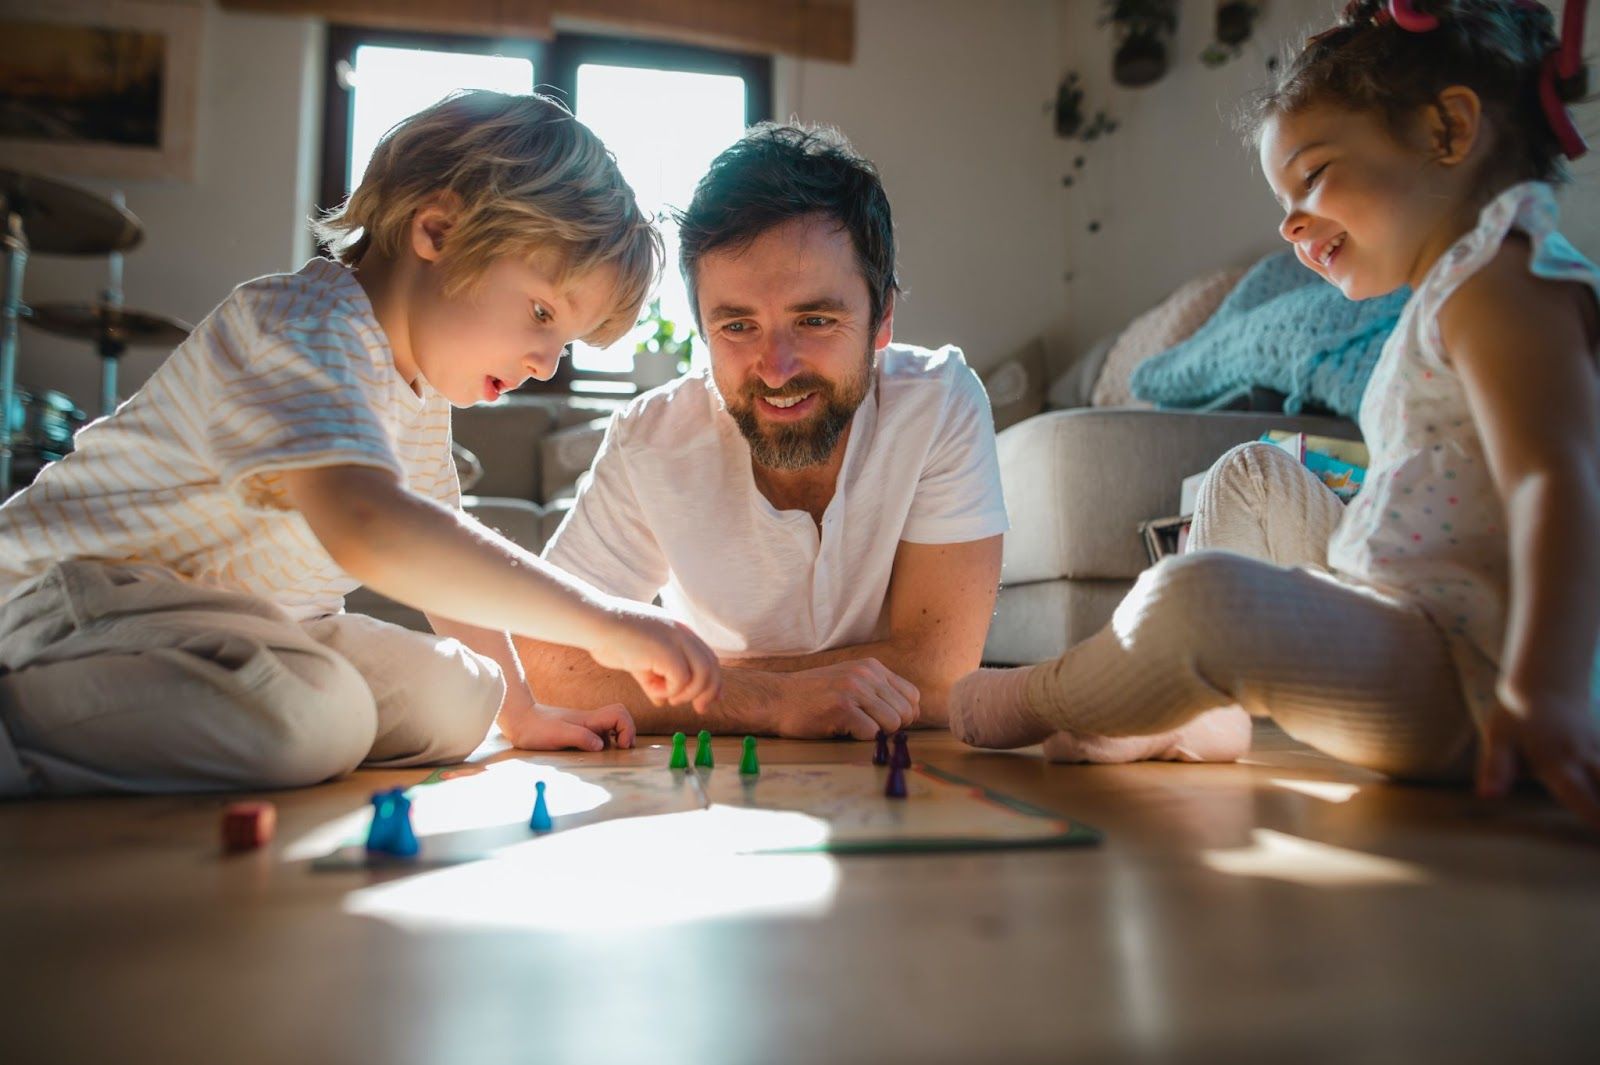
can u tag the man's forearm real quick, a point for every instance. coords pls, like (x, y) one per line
(565, 676)
(934, 677)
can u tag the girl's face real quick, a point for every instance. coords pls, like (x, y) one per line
(1362, 207)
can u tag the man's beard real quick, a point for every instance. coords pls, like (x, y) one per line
(799, 445)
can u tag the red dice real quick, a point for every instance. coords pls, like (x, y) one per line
(248, 825)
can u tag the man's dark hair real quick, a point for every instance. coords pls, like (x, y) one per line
(777, 173)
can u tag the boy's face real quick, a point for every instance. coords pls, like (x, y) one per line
(788, 322)
(1359, 205)
(514, 323)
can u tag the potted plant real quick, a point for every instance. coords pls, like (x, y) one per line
(662, 355)
(1143, 27)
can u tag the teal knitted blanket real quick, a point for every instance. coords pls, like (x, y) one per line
(1284, 328)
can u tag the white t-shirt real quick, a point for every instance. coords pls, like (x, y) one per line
(290, 371)
(671, 507)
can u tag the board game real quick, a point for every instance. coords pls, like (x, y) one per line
(470, 813)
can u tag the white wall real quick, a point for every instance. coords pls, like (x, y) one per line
(259, 120)
(1175, 192)
(948, 98)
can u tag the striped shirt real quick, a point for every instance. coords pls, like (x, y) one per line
(290, 371)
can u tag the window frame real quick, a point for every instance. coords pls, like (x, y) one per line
(555, 66)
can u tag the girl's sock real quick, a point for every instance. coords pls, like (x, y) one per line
(989, 708)
(1221, 735)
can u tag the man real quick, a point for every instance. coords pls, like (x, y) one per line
(823, 508)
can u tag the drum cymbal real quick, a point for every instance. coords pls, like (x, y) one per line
(63, 219)
(102, 322)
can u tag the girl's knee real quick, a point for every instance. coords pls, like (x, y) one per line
(1185, 594)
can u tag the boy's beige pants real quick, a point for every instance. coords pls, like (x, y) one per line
(127, 677)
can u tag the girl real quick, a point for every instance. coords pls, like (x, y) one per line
(1449, 616)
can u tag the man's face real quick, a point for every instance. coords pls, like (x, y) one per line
(788, 320)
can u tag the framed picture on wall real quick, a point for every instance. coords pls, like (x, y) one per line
(100, 88)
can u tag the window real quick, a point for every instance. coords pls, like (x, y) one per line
(664, 110)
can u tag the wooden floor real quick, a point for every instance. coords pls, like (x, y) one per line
(1286, 910)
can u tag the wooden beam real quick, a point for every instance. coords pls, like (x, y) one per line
(809, 29)
(491, 18)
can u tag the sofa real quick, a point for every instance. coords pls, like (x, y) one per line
(1085, 464)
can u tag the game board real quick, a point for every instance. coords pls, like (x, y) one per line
(470, 813)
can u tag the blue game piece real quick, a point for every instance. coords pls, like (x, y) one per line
(380, 834)
(404, 843)
(391, 831)
(880, 753)
(540, 822)
(895, 788)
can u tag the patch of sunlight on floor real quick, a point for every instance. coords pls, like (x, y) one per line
(1326, 790)
(636, 872)
(1277, 856)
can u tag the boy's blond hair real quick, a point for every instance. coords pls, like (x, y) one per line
(525, 178)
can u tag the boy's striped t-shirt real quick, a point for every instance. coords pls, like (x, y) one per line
(290, 371)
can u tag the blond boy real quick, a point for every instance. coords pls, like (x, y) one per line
(173, 591)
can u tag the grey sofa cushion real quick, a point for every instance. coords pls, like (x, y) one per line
(1035, 622)
(566, 454)
(1079, 482)
(505, 438)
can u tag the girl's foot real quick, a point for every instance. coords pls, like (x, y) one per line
(1221, 735)
(989, 708)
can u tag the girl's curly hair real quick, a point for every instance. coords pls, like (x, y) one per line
(1369, 63)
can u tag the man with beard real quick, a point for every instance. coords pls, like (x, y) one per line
(823, 508)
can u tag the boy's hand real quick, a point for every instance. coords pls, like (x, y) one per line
(1559, 742)
(671, 664)
(537, 727)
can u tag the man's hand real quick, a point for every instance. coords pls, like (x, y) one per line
(1557, 739)
(854, 698)
(536, 727)
(672, 666)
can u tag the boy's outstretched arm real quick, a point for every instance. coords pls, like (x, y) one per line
(433, 558)
(525, 722)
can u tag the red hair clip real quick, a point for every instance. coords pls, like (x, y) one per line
(1563, 64)
(1409, 18)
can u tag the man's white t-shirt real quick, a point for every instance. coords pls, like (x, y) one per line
(671, 507)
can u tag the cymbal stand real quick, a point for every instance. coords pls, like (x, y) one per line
(111, 350)
(15, 242)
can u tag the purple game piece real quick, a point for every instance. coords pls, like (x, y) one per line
(896, 788)
(902, 753)
(880, 754)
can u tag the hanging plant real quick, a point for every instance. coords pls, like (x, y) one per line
(1143, 27)
(1236, 21)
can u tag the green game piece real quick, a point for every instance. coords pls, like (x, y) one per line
(748, 765)
(702, 751)
(680, 755)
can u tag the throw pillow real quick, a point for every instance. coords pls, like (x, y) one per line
(1174, 319)
(1016, 385)
(1073, 388)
